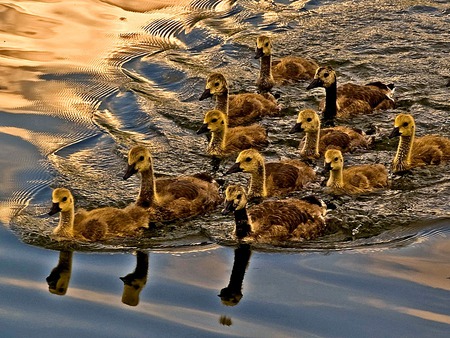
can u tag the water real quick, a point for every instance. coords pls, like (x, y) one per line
(73, 104)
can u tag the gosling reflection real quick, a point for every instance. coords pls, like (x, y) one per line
(59, 278)
(135, 281)
(232, 294)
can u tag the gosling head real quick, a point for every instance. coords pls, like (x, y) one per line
(403, 126)
(333, 160)
(139, 160)
(235, 199)
(214, 121)
(307, 121)
(248, 161)
(216, 84)
(62, 201)
(325, 77)
(263, 46)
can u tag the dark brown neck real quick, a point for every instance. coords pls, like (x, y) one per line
(243, 228)
(330, 103)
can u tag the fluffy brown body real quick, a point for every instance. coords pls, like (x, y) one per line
(241, 109)
(317, 141)
(167, 199)
(414, 152)
(99, 223)
(355, 180)
(287, 70)
(272, 221)
(274, 178)
(229, 141)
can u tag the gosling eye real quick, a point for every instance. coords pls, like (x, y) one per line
(64, 199)
(325, 75)
(214, 120)
(405, 124)
(239, 196)
(309, 119)
(216, 84)
(248, 159)
(336, 159)
(141, 158)
(266, 44)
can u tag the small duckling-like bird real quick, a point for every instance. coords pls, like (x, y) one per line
(171, 198)
(355, 180)
(241, 109)
(350, 99)
(413, 152)
(317, 140)
(228, 141)
(274, 178)
(272, 221)
(284, 71)
(95, 224)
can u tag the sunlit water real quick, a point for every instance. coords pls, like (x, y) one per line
(83, 83)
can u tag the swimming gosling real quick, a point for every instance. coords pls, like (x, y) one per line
(318, 140)
(272, 221)
(97, 224)
(354, 180)
(414, 152)
(273, 178)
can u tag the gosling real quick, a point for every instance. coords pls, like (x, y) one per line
(412, 152)
(226, 141)
(240, 109)
(97, 224)
(274, 221)
(355, 180)
(350, 99)
(284, 71)
(318, 140)
(271, 179)
(167, 199)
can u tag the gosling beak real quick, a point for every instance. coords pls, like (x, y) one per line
(205, 95)
(228, 208)
(55, 209)
(235, 168)
(259, 53)
(131, 170)
(328, 166)
(296, 129)
(315, 84)
(395, 132)
(203, 129)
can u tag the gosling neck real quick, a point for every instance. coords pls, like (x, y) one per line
(265, 81)
(243, 228)
(311, 145)
(65, 225)
(336, 179)
(402, 159)
(330, 111)
(147, 195)
(217, 143)
(222, 102)
(257, 186)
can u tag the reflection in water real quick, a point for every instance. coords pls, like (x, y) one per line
(134, 282)
(59, 278)
(232, 294)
